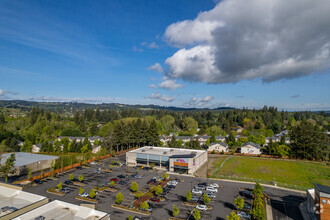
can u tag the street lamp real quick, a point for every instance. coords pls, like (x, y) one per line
(38, 166)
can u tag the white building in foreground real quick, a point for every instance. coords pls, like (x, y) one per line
(178, 160)
(64, 211)
(14, 201)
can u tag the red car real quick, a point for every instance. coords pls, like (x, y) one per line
(114, 179)
(154, 199)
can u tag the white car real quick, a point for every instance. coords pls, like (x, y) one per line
(214, 185)
(196, 191)
(93, 163)
(211, 195)
(173, 182)
(84, 195)
(201, 207)
(211, 189)
(243, 215)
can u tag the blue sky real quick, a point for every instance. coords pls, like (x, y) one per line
(176, 53)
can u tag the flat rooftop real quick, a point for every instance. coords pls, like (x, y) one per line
(62, 210)
(166, 151)
(16, 198)
(23, 159)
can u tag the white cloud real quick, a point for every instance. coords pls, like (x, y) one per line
(156, 67)
(169, 84)
(236, 41)
(194, 101)
(137, 49)
(207, 99)
(164, 98)
(5, 92)
(151, 45)
(153, 86)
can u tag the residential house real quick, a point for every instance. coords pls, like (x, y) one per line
(218, 147)
(220, 138)
(250, 148)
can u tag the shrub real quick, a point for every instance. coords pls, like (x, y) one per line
(81, 191)
(134, 187)
(71, 177)
(175, 211)
(239, 202)
(130, 217)
(222, 152)
(119, 198)
(144, 206)
(206, 199)
(213, 152)
(152, 165)
(112, 184)
(138, 194)
(92, 193)
(188, 196)
(158, 190)
(59, 186)
(197, 214)
(80, 178)
(232, 216)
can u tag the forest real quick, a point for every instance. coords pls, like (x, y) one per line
(134, 127)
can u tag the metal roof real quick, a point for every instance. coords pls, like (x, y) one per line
(23, 159)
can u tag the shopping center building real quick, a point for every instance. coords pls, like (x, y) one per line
(177, 160)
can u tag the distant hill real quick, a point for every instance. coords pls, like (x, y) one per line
(69, 106)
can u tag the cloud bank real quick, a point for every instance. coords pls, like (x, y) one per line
(236, 41)
(164, 98)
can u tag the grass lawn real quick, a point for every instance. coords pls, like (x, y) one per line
(287, 173)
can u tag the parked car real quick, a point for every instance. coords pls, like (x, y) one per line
(171, 186)
(154, 199)
(38, 181)
(196, 191)
(200, 187)
(123, 165)
(243, 215)
(202, 184)
(172, 182)
(114, 179)
(247, 206)
(138, 177)
(201, 207)
(211, 189)
(107, 183)
(121, 176)
(165, 190)
(246, 193)
(65, 190)
(211, 195)
(214, 185)
(194, 199)
(150, 204)
(68, 182)
(147, 168)
(97, 171)
(93, 163)
(84, 194)
(122, 182)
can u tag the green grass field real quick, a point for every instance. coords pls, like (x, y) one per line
(287, 173)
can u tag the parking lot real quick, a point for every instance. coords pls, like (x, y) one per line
(222, 205)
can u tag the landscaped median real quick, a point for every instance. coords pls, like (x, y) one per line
(126, 208)
(105, 188)
(86, 199)
(55, 191)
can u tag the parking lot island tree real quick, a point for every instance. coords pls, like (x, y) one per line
(206, 199)
(158, 190)
(80, 178)
(239, 203)
(29, 173)
(258, 209)
(112, 184)
(92, 193)
(119, 198)
(81, 191)
(138, 194)
(144, 206)
(71, 177)
(110, 166)
(130, 217)
(175, 211)
(188, 196)
(134, 187)
(232, 216)
(197, 214)
(59, 186)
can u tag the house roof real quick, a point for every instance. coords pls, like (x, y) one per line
(322, 188)
(252, 144)
(219, 143)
